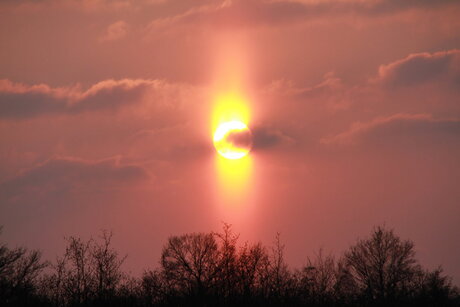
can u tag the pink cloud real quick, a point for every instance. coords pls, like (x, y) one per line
(244, 13)
(23, 101)
(417, 68)
(62, 174)
(387, 128)
(115, 31)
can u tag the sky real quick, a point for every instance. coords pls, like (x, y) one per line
(107, 111)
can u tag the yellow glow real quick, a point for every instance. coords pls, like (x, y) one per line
(226, 147)
(234, 180)
(230, 107)
(232, 140)
(229, 121)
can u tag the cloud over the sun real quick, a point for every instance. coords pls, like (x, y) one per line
(267, 137)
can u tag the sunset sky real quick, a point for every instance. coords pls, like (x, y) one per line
(108, 109)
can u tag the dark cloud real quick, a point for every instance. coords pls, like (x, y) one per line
(21, 101)
(240, 138)
(265, 137)
(390, 6)
(262, 12)
(65, 174)
(410, 127)
(421, 68)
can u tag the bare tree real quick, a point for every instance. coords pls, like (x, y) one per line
(345, 288)
(252, 268)
(382, 265)
(278, 279)
(191, 263)
(107, 263)
(19, 271)
(79, 283)
(52, 285)
(434, 288)
(211, 269)
(154, 288)
(319, 277)
(227, 263)
(87, 272)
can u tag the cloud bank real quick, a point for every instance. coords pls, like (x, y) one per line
(19, 101)
(420, 68)
(63, 174)
(395, 126)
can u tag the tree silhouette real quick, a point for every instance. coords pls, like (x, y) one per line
(191, 264)
(212, 269)
(319, 278)
(434, 288)
(278, 278)
(107, 263)
(252, 267)
(154, 288)
(227, 263)
(19, 271)
(89, 271)
(382, 265)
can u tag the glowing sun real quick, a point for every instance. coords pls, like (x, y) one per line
(233, 140)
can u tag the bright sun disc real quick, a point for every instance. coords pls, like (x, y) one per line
(233, 140)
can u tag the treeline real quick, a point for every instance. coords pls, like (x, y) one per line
(213, 269)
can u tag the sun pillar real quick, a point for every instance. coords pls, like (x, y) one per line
(234, 168)
(231, 114)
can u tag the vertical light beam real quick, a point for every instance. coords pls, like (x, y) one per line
(234, 175)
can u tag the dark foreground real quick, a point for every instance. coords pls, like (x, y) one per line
(212, 269)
